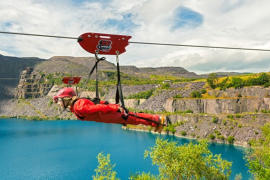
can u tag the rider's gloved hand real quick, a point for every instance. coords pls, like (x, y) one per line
(124, 112)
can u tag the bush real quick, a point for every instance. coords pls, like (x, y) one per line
(183, 133)
(230, 139)
(178, 96)
(212, 136)
(165, 86)
(223, 85)
(203, 91)
(171, 128)
(196, 94)
(142, 95)
(230, 116)
(221, 137)
(238, 115)
(267, 84)
(188, 111)
(265, 111)
(217, 132)
(215, 120)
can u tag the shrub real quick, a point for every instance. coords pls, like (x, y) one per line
(223, 85)
(265, 111)
(188, 111)
(215, 120)
(238, 115)
(50, 103)
(212, 136)
(142, 95)
(178, 96)
(196, 94)
(230, 116)
(165, 86)
(171, 128)
(217, 132)
(267, 84)
(230, 139)
(221, 137)
(183, 133)
(203, 91)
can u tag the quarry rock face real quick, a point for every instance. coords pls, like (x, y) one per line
(254, 99)
(32, 85)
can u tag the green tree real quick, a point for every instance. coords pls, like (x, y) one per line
(212, 80)
(104, 171)
(190, 161)
(259, 157)
(230, 139)
(144, 176)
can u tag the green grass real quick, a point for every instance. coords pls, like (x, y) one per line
(141, 95)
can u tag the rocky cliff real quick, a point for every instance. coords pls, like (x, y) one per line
(32, 85)
(10, 69)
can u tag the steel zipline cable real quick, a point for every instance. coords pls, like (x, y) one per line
(146, 43)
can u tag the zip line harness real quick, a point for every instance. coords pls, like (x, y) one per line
(119, 98)
(108, 44)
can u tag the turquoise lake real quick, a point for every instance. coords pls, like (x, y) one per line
(68, 149)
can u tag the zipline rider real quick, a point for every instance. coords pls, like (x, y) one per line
(87, 110)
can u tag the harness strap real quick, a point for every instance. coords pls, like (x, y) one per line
(95, 67)
(119, 93)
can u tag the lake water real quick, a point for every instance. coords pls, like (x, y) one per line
(68, 149)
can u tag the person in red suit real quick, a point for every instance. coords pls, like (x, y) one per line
(87, 110)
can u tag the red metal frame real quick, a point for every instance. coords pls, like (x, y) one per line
(71, 80)
(108, 44)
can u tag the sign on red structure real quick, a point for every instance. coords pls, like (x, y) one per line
(71, 80)
(109, 44)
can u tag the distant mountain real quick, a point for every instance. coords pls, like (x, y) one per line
(222, 74)
(11, 68)
(82, 65)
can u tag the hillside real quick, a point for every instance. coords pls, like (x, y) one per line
(10, 70)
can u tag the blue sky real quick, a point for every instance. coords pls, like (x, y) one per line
(186, 18)
(208, 22)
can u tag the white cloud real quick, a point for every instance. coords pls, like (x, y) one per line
(239, 23)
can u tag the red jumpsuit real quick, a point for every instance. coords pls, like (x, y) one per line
(86, 110)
